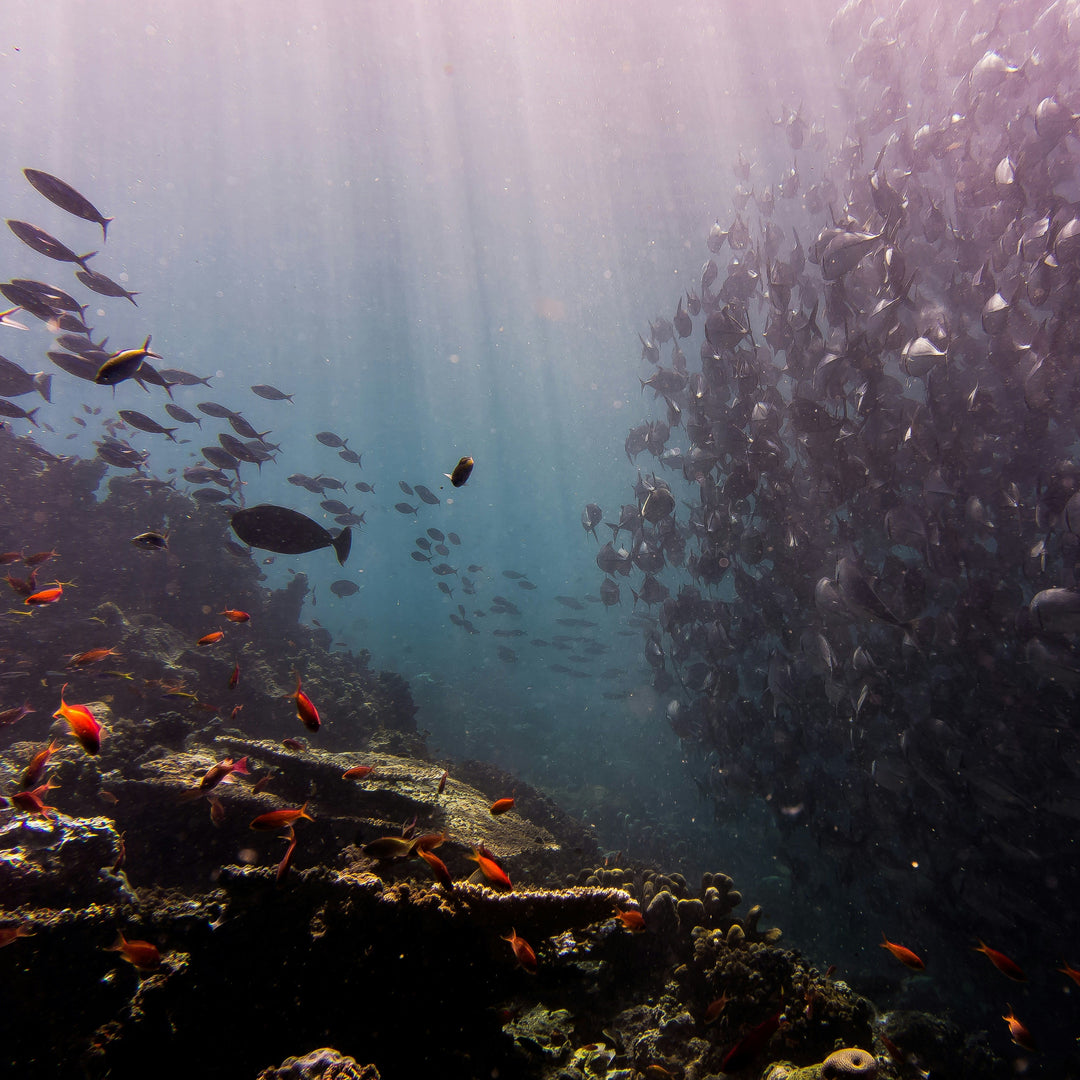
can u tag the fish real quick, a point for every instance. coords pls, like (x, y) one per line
(223, 769)
(461, 472)
(10, 933)
(438, 867)
(45, 596)
(146, 423)
(328, 438)
(152, 541)
(426, 495)
(1019, 1033)
(1073, 973)
(37, 765)
(47, 245)
(234, 682)
(141, 955)
(278, 819)
(211, 639)
(390, 847)
(90, 656)
(442, 782)
(32, 802)
(306, 712)
(634, 921)
(405, 508)
(67, 198)
(17, 412)
(124, 364)
(344, 588)
(500, 806)
(751, 1044)
(287, 532)
(494, 873)
(523, 951)
(104, 286)
(182, 415)
(286, 859)
(358, 772)
(84, 726)
(234, 615)
(904, 955)
(1006, 966)
(15, 381)
(271, 393)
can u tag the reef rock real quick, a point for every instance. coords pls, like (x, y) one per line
(324, 1064)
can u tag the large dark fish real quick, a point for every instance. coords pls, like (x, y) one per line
(67, 198)
(271, 393)
(104, 286)
(277, 528)
(47, 245)
(462, 471)
(14, 381)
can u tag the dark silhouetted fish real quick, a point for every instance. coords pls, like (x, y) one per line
(14, 381)
(344, 588)
(428, 496)
(271, 393)
(277, 528)
(104, 286)
(328, 438)
(47, 245)
(145, 423)
(67, 198)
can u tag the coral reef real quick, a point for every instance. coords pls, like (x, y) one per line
(323, 1064)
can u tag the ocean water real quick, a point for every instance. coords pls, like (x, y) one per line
(442, 228)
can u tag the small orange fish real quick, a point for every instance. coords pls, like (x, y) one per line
(306, 712)
(523, 951)
(1020, 1034)
(45, 596)
(276, 819)
(1002, 963)
(235, 712)
(38, 764)
(500, 806)
(9, 933)
(11, 716)
(235, 616)
(442, 781)
(358, 772)
(91, 656)
(262, 784)
(491, 869)
(293, 744)
(1072, 972)
(216, 773)
(82, 723)
(211, 638)
(634, 921)
(217, 811)
(715, 1008)
(905, 956)
(286, 859)
(33, 802)
(438, 867)
(430, 840)
(141, 955)
(121, 856)
(234, 678)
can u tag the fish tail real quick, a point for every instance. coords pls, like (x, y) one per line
(342, 543)
(105, 228)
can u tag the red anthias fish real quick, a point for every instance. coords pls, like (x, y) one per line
(212, 638)
(45, 596)
(358, 772)
(634, 921)
(1002, 962)
(904, 955)
(1019, 1033)
(81, 720)
(523, 951)
(278, 819)
(500, 806)
(141, 955)
(438, 867)
(235, 616)
(33, 802)
(751, 1044)
(491, 869)
(38, 763)
(305, 708)
(216, 773)
(11, 716)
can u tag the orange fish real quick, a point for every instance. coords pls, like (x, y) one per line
(438, 867)
(293, 744)
(1071, 972)
(9, 933)
(905, 956)
(634, 921)
(216, 773)
(121, 856)
(305, 708)
(234, 678)
(211, 638)
(1020, 1034)
(235, 616)
(38, 763)
(523, 952)
(45, 596)
(500, 806)
(286, 859)
(33, 802)
(141, 955)
(82, 723)
(442, 781)
(262, 783)
(712, 1013)
(430, 840)
(217, 811)
(358, 772)
(1002, 963)
(491, 869)
(276, 819)
(91, 656)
